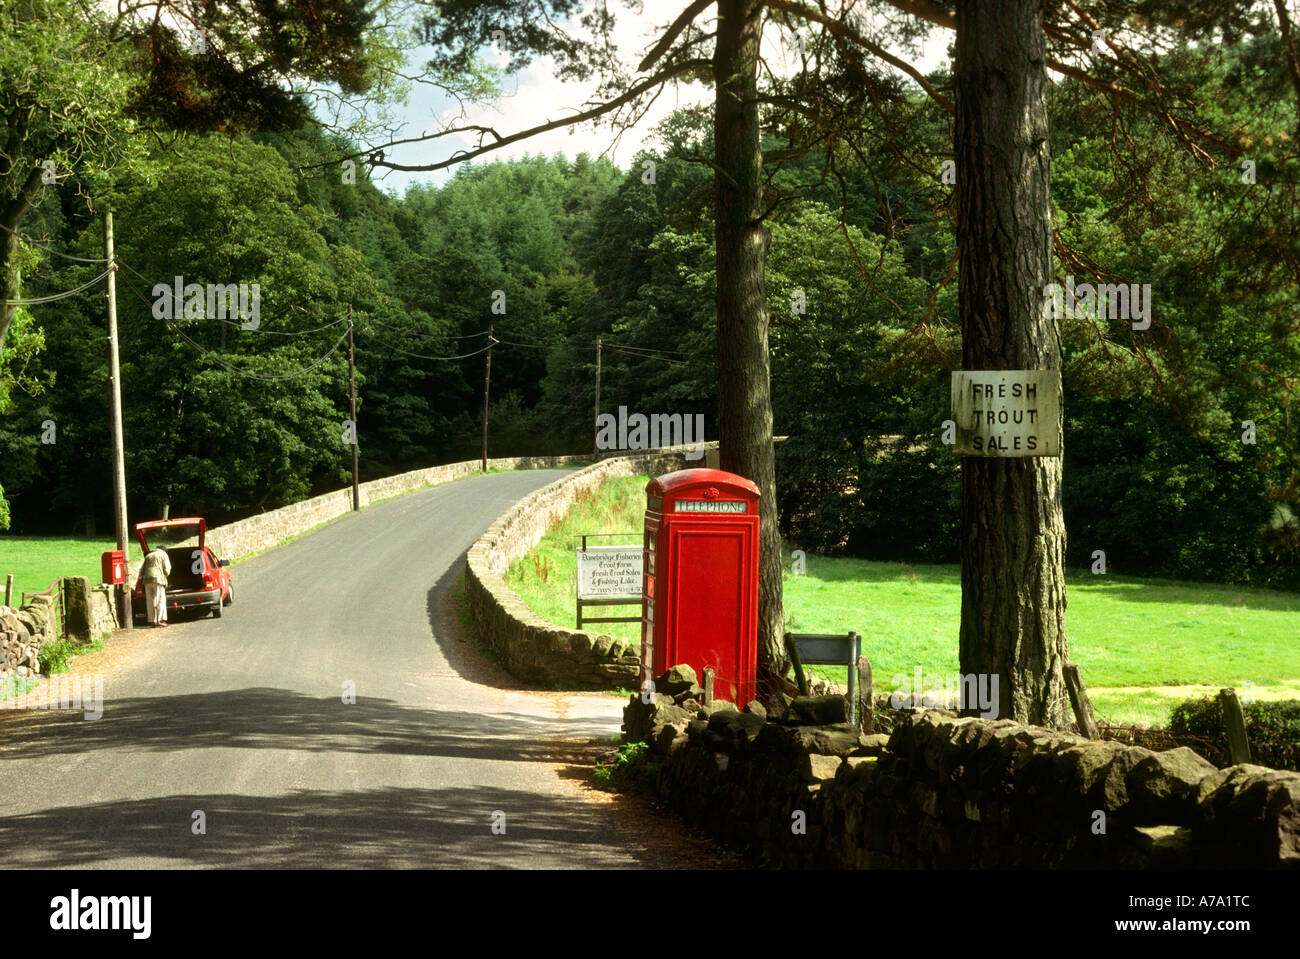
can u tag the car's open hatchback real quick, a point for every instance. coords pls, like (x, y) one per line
(171, 532)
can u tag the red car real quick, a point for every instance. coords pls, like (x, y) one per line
(198, 579)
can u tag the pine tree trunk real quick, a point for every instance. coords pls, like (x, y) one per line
(1013, 534)
(744, 387)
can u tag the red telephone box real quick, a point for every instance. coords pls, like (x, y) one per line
(700, 595)
(112, 566)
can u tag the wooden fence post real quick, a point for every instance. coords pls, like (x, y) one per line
(866, 697)
(1234, 721)
(792, 650)
(1079, 701)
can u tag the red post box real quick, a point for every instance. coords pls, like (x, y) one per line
(700, 591)
(113, 566)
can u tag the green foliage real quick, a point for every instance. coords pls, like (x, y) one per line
(56, 656)
(1125, 468)
(58, 59)
(20, 363)
(227, 66)
(629, 764)
(229, 215)
(461, 27)
(204, 436)
(80, 86)
(63, 89)
(1273, 729)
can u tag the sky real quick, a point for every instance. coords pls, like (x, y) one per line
(534, 96)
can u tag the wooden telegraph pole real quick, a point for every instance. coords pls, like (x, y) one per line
(595, 446)
(487, 381)
(352, 410)
(122, 591)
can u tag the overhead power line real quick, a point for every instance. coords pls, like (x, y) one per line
(216, 358)
(34, 301)
(645, 349)
(630, 351)
(257, 376)
(48, 249)
(646, 356)
(258, 329)
(396, 329)
(247, 329)
(422, 356)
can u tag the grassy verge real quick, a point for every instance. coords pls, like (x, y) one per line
(547, 577)
(57, 655)
(1143, 644)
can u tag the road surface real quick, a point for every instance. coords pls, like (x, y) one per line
(243, 720)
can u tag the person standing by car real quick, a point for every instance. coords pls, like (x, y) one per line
(154, 571)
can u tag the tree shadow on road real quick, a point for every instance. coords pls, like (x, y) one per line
(312, 829)
(268, 718)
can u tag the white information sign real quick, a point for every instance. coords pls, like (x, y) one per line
(606, 571)
(1007, 412)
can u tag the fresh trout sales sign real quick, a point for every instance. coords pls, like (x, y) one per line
(608, 571)
(1007, 412)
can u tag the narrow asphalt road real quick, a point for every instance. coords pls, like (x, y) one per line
(243, 718)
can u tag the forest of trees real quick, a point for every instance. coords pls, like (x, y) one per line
(862, 294)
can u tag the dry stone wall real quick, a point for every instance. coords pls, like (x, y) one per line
(944, 791)
(87, 609)
(87, 614)
(23, 631)
(532, 649)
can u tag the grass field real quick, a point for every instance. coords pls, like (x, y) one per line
(1143, 644)
(36, 561)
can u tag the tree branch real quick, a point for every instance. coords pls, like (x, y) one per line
(935, 14)
(841, 30)
(927, 11)
(631, 94)
(684, 20)
(1288, 44)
